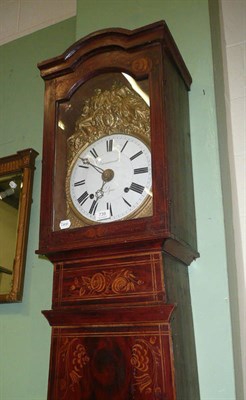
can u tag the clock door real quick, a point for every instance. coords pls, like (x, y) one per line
(103, 133)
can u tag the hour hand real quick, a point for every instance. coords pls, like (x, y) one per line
(87, 162)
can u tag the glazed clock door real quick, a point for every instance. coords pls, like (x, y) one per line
(103, 132)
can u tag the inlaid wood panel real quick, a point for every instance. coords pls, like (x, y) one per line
(131, 278)
(112, 362)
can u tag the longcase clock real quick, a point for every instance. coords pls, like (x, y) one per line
(117, 218)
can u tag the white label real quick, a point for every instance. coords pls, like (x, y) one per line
(12, 184)
(100, 215)
(65, 224)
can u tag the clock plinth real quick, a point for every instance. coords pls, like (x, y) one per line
(117, 218)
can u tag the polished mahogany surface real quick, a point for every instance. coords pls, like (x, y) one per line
(121, 313)
(148, 52)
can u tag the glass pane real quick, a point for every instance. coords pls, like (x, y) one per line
(104, 131)
(10, 188)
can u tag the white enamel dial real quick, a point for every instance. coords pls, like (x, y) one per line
(111, 179)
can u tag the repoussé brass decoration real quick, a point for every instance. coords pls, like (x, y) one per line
(119, 109)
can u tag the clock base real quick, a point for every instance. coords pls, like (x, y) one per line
(116, 323)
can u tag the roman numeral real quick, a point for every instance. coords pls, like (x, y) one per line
(94, 153)
(109, 207)
(93, 208)
(85, 162)
(126, 202)
(136, 155)
(124, 146)
(83, 198)
(142, 170)
(109, 144)
(82, 182)
(137, 188)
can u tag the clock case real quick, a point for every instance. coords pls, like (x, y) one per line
(147, 52)
(121, 310)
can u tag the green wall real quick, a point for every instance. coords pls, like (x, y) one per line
(24, 332)
(189, 23)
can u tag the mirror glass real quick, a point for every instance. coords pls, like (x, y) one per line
(10, 191)
(16, 177)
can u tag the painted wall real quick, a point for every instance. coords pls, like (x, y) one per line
(24, 333)
(189, 23)
(237, 288)
(233, 15)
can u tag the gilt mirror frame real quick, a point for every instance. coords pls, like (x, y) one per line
(20, 164)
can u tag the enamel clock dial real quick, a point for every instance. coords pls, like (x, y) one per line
(110, 179)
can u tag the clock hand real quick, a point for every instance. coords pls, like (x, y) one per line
(107, 176)
(100, 193)
(87, 162)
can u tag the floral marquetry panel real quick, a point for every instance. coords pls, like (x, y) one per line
(123, 363)
(110, 279)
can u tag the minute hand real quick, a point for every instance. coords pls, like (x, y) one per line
(87, 162)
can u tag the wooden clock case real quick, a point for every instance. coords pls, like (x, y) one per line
(121, 312)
